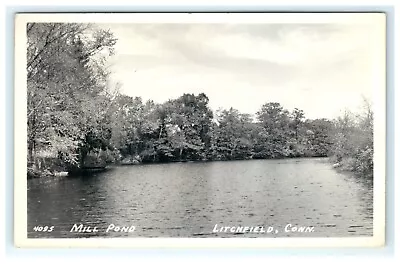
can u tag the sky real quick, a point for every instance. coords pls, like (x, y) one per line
(322, 69)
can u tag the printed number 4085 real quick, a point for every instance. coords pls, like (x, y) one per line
(43, 228)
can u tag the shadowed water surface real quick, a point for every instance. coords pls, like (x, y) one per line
(189, 199)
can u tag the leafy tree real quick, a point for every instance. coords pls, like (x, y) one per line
(232, 136)
(275, 121)
(319, 137)
(66, 80)
(189, 119)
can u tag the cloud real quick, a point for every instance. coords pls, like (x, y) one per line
(321, 68)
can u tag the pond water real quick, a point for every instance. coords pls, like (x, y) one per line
(190, 199)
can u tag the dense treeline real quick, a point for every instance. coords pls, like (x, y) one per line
(74, 120)
(186, 129)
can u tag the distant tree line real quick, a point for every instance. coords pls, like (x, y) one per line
(186, 129)
(74, 120)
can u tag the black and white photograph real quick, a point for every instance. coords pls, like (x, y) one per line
(246, 127)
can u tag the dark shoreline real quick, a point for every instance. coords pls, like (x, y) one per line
(95, 169)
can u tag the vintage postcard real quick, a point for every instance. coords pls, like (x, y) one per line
(200, 130)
